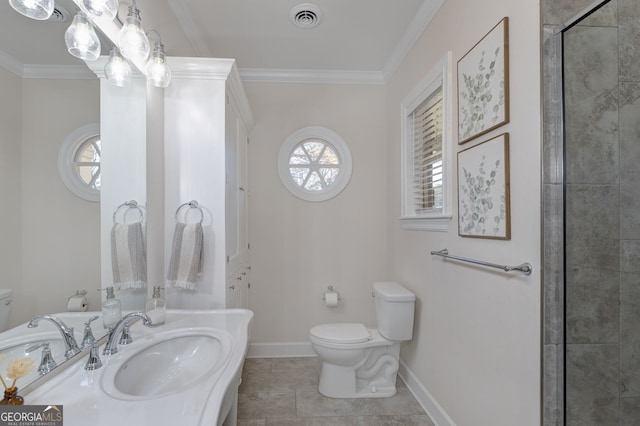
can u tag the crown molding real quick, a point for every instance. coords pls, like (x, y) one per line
(44, 71)
(10, 63)
(75, 72)
(422, 19)
(310, 76)
(419, 23)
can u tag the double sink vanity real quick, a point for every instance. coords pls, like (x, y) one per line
(186, 371)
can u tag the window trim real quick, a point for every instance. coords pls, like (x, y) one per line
(67, 157)
(438, 220)
(328, 136)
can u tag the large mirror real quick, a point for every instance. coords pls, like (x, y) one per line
(51, 238)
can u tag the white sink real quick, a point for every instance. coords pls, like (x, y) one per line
(166, 363)
(169, 366)
(186, 372)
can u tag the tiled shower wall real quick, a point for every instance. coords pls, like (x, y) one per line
(602, 171)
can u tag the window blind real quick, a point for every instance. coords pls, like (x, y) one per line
(426, 186)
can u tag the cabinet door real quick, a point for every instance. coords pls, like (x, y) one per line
(233, 294)
(246, 287)
(243, 190)
(236, 193)
(232, 192)
(237, 292)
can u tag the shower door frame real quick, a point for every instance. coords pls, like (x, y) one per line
(557, 16)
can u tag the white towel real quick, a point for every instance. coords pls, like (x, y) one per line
(128, 259)
(186, 251)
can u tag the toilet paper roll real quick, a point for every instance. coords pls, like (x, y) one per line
(331, 299)
(77, 303)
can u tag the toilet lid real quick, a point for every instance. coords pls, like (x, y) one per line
(341, 332)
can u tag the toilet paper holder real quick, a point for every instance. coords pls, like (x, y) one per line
(79, 293)
(330, 290)
(78, 302)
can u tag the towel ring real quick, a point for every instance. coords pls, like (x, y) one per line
(193, 204)
(133, 204)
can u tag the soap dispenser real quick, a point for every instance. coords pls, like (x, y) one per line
(111, 309)
(156, 307)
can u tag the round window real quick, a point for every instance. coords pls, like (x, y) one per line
(79, 162)
(315, 164)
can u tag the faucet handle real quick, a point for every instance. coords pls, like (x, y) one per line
(93, 362)
(125, 337)
(47, 363)
(86, 324)
(88, 339)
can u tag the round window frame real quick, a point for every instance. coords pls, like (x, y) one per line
(67, 161)
(329, 137)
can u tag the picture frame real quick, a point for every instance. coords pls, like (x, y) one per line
(484, 190)
(483, 84)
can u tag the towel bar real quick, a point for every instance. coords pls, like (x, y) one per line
(133, 204)
(525, 268)
(193, 204)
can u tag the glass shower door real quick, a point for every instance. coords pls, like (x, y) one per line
(601, 86)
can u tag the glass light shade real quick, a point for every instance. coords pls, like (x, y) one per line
(101, 8)
(34, 9)
(158, 72)
(117, 70)
(132, 40)
(81, 39)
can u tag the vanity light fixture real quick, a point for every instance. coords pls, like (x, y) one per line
(101, 8)
(34, 9)
(117, 70)
(81, 39)
(132, 40)
(158, 72)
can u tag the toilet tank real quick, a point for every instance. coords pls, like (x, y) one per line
(5, 308)
(394, 310)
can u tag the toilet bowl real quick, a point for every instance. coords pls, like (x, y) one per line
(5, 308)
(362, 362)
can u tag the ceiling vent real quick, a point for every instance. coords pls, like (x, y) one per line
(305, 15)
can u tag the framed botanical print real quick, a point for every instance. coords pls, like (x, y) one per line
(483, 190)
(483, 85)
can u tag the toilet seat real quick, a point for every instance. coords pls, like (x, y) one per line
(341, 333)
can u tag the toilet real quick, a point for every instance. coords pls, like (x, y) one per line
(362, 362)
(5, 308)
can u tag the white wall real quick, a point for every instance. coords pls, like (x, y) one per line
(477, 344)
(123, 171)
(10, 178)
(298, 248)
(476, 349)
(60, 232)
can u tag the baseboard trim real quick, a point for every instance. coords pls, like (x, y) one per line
(304, 349)
(424, 397)
(280, 350)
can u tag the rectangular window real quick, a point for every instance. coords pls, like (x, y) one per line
(425, 140)
(426, 191)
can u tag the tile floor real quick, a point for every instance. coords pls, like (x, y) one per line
(284, 392)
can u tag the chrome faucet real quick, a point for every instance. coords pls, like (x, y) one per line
(71, 346)
(88, 339)
(112, 344)
(47, 363)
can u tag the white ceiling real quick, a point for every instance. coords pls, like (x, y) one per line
(365, 37)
